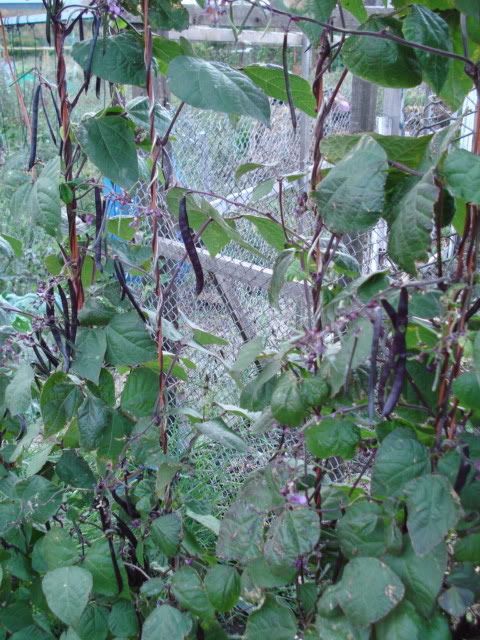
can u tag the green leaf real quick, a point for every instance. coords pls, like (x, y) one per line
(468, 549)
(403, 623)
(338, 627)
(270, 78)
(293, 534)
(109, 142)
(202, 336)
(219, 232)
(216, 86)
(31, 632)
(356, 345)
(356, 8)
(247, 355)
(222, 583)
(467, 389)
(168, 14)
(94, 417)
(351, 196)
(410, 231)
(426, 27)
(113, 439)
(99, 563)
(274, 620)
(97, 311)
(433, 508)
(16, 616)
(122, 620)
(317, 9)
(266, 576)
(364, 605)
(457, 84)
(270, 231)
(190, 593)
(314, 390)
(437, 628)
(59, 400)
(56, 549)
(215, 237)
(257, 397)
(422, 576)
(461, 170)
(67, 590)
(43, 201)
(262, 190)
(166, 623)
(128, 342)
(90, 347)
(218, 431)
(381, 61)
(40, 498)
(241, 533)
(16, 247)
(456, 601)
(247, 167)
(117, 58)
(18, 394)
(93, 624)
(470, 8)
(399, 459)
(287, 403)
(280, 268)
(5, 247)
(166, 472)
(121, 226)
(164, 51)
(74, 470)
(409, 151)
(333, 437)
(362, 530)
(167, 533)
(140, 392)
(207, 521)
(105, 388)
(138, 110)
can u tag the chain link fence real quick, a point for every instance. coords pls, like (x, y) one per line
(205, 151)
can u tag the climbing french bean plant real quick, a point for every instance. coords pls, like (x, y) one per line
(97, 536)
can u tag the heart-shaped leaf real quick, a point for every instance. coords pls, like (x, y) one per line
(216, 86)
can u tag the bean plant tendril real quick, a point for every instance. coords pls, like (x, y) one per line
(243, 402)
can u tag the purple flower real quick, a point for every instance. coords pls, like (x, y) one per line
(297, 498)
(114, 8)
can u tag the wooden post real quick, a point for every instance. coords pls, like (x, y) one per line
(392, 109)
(363, 118)
(364, 103)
